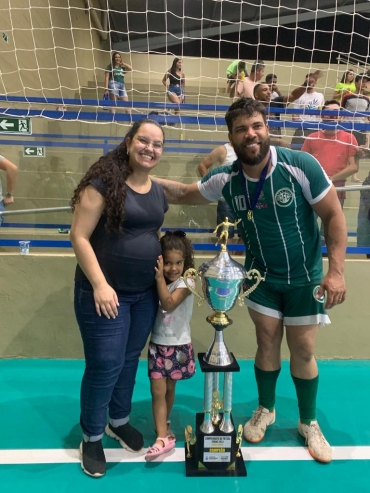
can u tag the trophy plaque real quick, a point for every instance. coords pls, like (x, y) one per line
(214, 449)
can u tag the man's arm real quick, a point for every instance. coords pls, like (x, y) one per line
(298, 91)
(217, 156)
(11, 171)
(335, 232)
(181, 193)
(351, 168)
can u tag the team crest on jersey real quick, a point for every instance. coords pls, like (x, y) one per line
(314, 293)
(283, 197)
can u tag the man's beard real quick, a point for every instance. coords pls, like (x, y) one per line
(240, 151)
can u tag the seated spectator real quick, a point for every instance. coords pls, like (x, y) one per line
(262, 92)
(310, 100)
(233, 72)
(357, 102)
(271, 80)
(245, 87)
(334, 149)
(345, 86)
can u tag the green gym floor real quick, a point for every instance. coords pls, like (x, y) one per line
(40, 434)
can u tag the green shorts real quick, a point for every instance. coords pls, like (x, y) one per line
(294, 305)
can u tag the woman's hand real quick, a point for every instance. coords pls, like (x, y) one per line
(106, 301)
(159, 269)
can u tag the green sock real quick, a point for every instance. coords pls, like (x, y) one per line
(266, 384)
(306, 395)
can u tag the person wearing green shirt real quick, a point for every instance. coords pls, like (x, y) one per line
(278, 194)
(346, 84)
(234, 71)
(115, 79)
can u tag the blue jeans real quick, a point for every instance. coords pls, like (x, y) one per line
(2, 208)
(112, 349)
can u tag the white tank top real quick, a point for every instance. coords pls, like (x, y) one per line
(230, 155)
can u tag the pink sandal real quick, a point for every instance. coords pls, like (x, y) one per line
(157, 449)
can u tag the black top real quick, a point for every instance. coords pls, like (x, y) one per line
(174, 79)
(128, 261)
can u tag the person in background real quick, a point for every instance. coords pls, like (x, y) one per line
(245, 87)
(233, 72)
(278, 194)
(363, 218)
(345, 86)
(170, 352)
(115, 79)
(356, 101)
(310, 100)
(116, 299)
(262, 92)
(176, 87)
(271, 80)
(334, 149)
(222, 155)
(11, 173)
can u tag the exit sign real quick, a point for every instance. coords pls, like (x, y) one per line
(33, 151)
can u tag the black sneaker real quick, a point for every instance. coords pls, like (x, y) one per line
(93, 460)
(129, 437)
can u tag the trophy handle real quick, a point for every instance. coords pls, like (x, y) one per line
(194, 274)
(251, 274)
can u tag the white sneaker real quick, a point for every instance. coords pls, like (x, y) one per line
(255, 428)
(318, 446)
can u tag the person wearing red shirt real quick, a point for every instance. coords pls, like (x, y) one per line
(334, 149)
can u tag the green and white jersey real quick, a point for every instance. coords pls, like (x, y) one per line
(282, 239)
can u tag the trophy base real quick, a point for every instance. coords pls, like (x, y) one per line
(214, 454)
(209, 368)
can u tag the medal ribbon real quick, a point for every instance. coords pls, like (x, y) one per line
(257, 193)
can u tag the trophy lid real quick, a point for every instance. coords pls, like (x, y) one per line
(222, 267)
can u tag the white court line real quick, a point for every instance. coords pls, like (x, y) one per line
(65, 456)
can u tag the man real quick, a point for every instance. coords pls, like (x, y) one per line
(271, 81)
(310, 100)
(245, 87)
(236, 70)
(262, 92)
(357, 101)
(334, 149)
(277, 194)
(11, 172)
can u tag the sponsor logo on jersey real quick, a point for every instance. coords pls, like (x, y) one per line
(283, 197)
(314, 294)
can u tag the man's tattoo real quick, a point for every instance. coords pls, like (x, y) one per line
(174, 191)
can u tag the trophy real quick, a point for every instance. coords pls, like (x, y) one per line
(215, 448)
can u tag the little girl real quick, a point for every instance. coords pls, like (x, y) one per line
(170, 354)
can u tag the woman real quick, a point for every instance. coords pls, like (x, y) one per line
(118, 212)
(345, 85)
(176, 88)
(115, 79)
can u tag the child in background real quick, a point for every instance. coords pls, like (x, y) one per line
(170, 354)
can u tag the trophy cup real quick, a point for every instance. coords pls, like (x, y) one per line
(215, 448)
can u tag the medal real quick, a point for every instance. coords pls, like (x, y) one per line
(251, 205)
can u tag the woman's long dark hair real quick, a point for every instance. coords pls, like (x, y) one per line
(113, 63)
(113, 169)
(173, 66)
